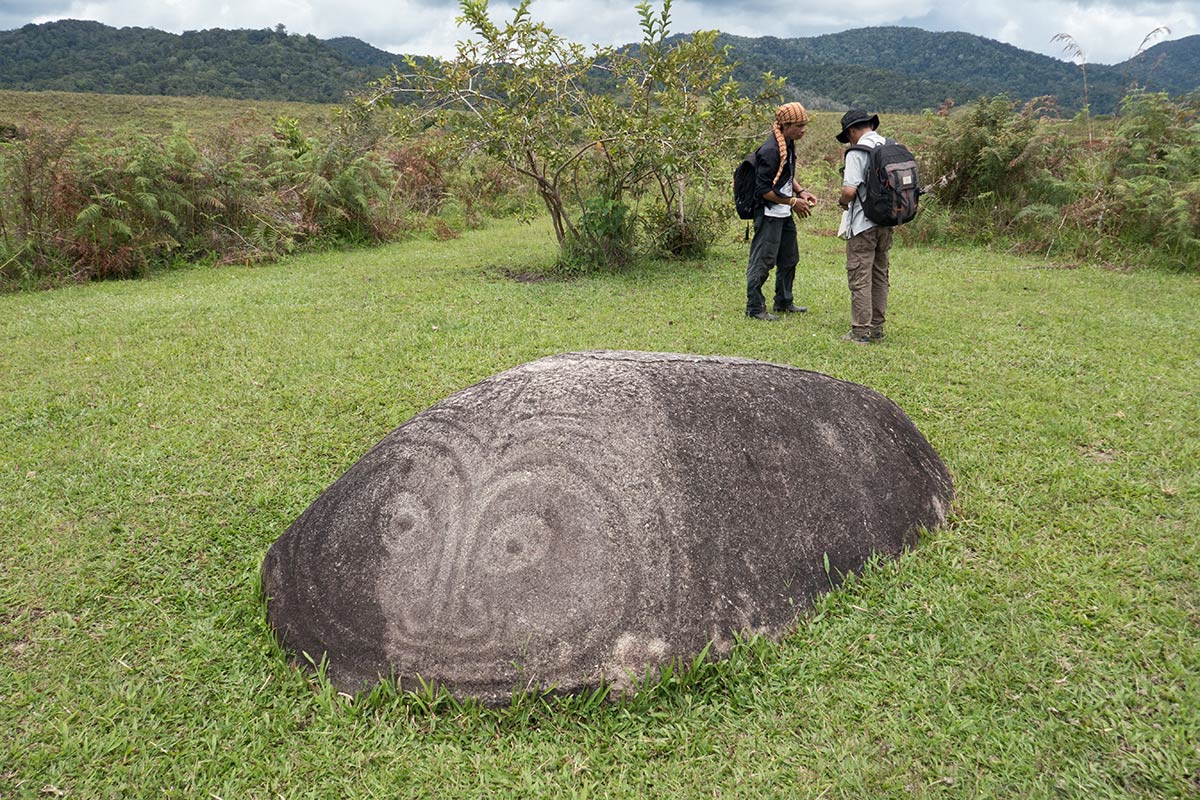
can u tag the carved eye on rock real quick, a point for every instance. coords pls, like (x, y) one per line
(486, 546)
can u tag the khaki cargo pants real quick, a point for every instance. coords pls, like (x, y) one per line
(867, 272)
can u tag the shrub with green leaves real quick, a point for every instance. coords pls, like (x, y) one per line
(602, 239)
(678, 123)
(591, 131)
(688, 231)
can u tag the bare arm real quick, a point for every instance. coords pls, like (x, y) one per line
(848, 194)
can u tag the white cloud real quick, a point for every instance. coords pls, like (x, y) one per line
(1109, 36)
(1107, 30)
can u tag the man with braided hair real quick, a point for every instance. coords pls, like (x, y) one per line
(774, 243)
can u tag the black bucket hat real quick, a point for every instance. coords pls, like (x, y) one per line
(855, 116)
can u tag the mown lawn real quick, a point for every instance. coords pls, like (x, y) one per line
(156, 436)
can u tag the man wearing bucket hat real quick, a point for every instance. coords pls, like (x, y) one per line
(867, 244)
(774, 244)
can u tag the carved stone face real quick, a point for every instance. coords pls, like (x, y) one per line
(513, 536)
(588, 517)
(498, 533)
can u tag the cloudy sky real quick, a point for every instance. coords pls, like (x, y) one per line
(1109, 31)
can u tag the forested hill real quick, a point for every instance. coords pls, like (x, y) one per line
(76, 56)
(889, 69)
(361, 54)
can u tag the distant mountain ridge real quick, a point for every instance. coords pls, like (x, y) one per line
(884, 68)
(911, 68)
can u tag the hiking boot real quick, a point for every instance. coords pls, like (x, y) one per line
(763, 315)
(791, 308)
(876, 334)
(857, 338)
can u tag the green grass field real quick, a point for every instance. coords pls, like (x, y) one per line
(158, 114)
(158, 435)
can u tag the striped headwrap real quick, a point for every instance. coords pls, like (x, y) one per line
(788, 112)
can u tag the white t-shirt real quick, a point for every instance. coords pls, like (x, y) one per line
(780, 210)
(854, 221)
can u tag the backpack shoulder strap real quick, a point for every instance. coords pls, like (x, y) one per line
(866, 148)
(862, 148)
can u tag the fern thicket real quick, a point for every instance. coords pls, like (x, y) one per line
(78, 208)
(1126, 191)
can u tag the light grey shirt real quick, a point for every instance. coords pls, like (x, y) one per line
(854, 221)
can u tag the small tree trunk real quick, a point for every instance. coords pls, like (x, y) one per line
(549, 194)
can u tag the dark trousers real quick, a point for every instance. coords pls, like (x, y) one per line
(773, 246)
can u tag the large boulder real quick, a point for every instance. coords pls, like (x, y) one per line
(587, 517)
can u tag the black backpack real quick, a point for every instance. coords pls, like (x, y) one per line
(744, 198)
(890, 192)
